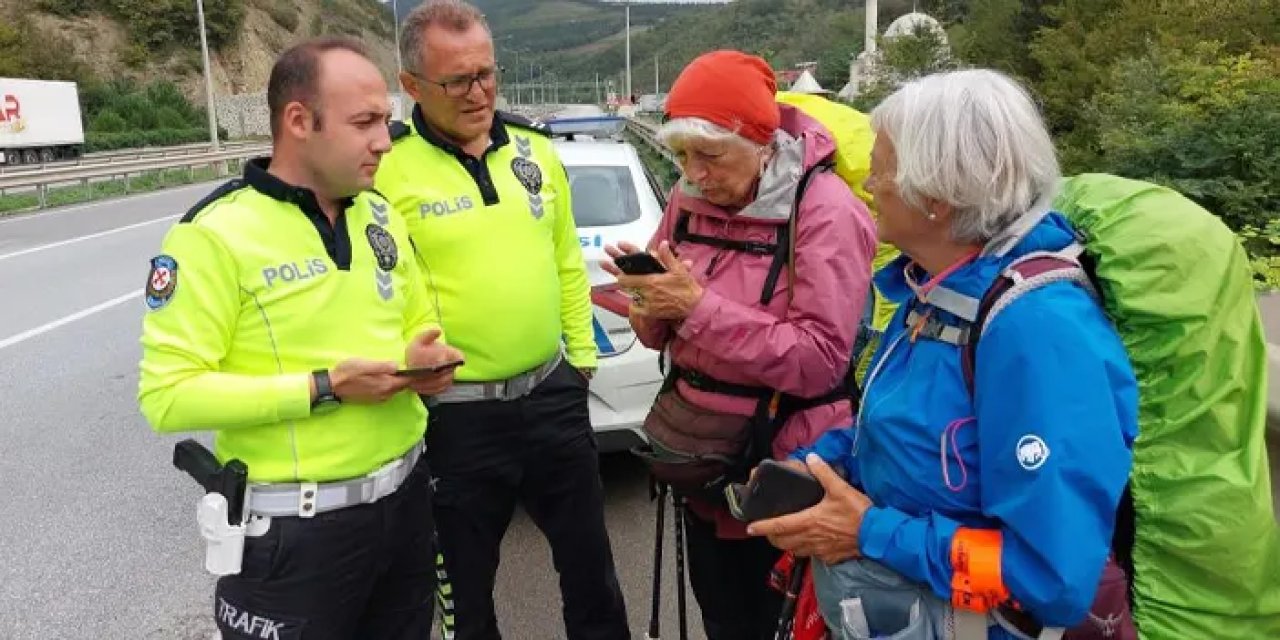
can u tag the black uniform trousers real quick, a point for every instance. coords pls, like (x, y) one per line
(538, 451)
(366, 571)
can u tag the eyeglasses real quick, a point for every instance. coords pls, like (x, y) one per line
(461, 86)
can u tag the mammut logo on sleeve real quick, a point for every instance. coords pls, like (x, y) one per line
(1032, 452)
(232, 618)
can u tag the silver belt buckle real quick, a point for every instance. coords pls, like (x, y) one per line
(384, 479)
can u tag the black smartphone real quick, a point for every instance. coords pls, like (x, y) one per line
(776, 490)
(427, 371)
(639, 264)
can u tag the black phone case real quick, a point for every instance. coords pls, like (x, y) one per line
(777, 490)
(423, 371)
(639, 264)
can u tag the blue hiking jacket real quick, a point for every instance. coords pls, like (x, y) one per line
(1046, 455)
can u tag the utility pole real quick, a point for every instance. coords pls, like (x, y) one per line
(516, 70)
(657, 82)
(627, 89)
(598, 100)
(208, 78)
(395, 27)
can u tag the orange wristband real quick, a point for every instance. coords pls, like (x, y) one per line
(976, 583)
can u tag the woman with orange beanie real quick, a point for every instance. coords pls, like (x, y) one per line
(767, 258)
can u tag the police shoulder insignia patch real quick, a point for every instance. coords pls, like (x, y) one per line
(528, 173)
(162, 281)
(383, 245)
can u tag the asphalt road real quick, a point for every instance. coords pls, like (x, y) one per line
(98, 537)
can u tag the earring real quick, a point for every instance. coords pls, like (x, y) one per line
(932, 216)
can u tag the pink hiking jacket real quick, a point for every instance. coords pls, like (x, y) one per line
(801, 347)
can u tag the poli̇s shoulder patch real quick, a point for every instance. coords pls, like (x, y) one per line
(383, 245)
(162, 281)
(528, 173)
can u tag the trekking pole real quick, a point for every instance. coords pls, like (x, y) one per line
(655, 632)
(680, 602)
(795, 582)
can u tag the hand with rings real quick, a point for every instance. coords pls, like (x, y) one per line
(666, 296)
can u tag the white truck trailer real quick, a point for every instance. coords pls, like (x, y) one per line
(39, 121)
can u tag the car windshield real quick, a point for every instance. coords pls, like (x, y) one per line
(603, 196)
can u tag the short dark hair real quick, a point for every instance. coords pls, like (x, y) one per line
(295, 77)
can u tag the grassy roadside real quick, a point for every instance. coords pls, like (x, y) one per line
(141, 183)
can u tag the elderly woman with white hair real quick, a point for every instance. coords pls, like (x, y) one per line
(758, 313)
(973, 500)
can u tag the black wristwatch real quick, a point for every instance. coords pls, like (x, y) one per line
(326, 400)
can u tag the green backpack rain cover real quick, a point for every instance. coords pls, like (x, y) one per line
(1177, 285)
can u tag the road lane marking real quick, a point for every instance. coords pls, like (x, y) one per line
(79, 315)
(62, 243)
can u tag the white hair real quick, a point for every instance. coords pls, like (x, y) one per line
(973, 139)
(676, 133)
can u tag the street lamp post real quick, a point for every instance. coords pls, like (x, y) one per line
(627, 89)
(395, 28)
(516, 74)
(208, 78)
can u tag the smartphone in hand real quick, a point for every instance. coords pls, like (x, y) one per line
(420, 372)
(639, 264)
(776, 490)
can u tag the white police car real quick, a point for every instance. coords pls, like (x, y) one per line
(614, 200)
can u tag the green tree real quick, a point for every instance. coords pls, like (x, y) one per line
(108, 121)
(1204, 123)
(998, 33)
(1084, 39)
(25, 47)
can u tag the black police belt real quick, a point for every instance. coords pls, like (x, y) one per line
(306, 499)
(512, 388)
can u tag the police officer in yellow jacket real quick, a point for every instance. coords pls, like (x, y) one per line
(282, 309)
(487, 203)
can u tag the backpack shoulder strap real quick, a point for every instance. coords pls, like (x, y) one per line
(1026, 274)
(682, 234)
(784, 253)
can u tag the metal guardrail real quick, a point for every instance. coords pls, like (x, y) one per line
(107, 157)
(42, 180)
(648, 133)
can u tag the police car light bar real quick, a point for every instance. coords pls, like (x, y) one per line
(596, 127)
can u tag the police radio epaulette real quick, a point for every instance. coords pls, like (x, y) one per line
(522, 122)
(398, 129)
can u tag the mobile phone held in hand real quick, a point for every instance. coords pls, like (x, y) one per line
(639, 264)
(776, 490)
(430, 371)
